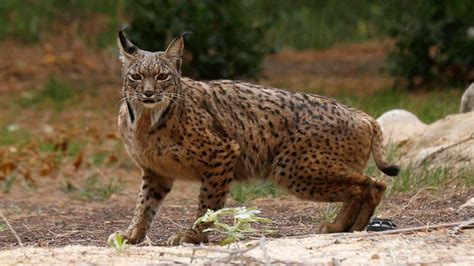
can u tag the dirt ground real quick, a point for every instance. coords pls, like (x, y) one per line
(46, 215)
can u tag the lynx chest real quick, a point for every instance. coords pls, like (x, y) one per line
(156, 151)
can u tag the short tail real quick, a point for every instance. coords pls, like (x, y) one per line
(379, 154)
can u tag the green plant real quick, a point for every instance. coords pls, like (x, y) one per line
(29, 21)
(303, 24)
(16, 135)
(54, 93)
(329, 212)
(8, 183)
(99, 157)
(95, 189)
(117, 241)
(242, 218)
(413, 178)
(227, 42)
(245, 192)
(432, 43)
(429, 106)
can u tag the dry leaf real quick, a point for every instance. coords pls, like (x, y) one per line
(112, 159)
(78, 160)
(6, 169)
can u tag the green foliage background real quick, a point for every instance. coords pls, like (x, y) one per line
(227, 43)
(432, 43)
(232, 37)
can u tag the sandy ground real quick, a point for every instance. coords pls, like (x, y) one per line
(440, 246)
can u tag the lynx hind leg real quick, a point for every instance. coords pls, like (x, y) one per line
(313, 178)
(357, 211)
(153, 190)
(373, 199)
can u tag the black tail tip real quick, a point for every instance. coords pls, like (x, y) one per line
(392, 170)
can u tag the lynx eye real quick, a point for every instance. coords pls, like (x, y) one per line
(162, 76)
(136, 77)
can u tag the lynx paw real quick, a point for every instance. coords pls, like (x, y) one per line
(329, 228)
(187, 236)
(323, 229)
(132, 236)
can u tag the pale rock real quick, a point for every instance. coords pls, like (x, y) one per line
(448, 142)
(399, 125)
(467, 204)
(467, 100)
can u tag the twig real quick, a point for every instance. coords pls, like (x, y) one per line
(27, 228)
(173, 222)
(389, 232)
(411, 200)
(456, 229)
(11, 229)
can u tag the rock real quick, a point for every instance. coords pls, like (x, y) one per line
(449, 142)
(399, 125)
(467, 100)
(467, 204)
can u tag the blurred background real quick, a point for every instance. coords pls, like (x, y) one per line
(60, 76)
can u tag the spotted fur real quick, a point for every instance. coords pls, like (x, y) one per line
(222, 131)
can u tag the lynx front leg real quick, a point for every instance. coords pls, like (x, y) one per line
(213, 193)
(153, 191)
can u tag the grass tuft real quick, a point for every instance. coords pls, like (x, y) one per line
(55, 93)
(30, 23)
(428, 106)
(7, 183)
(247, 191)
(16, 137)
(94, 189)
(329, 212)
(415, 178)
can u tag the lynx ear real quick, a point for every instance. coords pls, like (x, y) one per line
(126, 47)
(175, 50)
(176, 47)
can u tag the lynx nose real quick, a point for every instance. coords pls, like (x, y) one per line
(148, 93)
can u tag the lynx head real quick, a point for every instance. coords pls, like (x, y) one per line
(150, 79)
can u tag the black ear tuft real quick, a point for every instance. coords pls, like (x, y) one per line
(126, 44)
(184, 34)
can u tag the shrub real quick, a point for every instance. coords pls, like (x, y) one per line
(30, 20)
(432, 43)
(226, 41)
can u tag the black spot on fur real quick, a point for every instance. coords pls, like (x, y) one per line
(157, 196)
(216, 125)
(130, 112)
